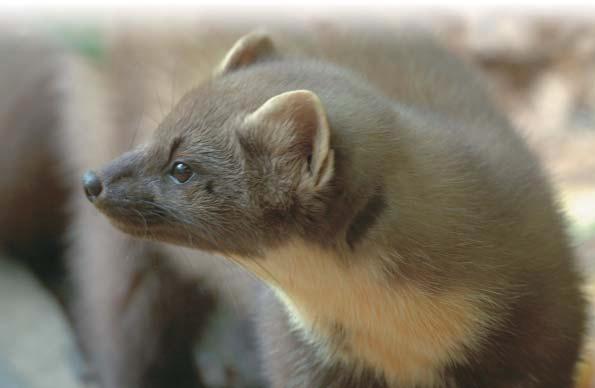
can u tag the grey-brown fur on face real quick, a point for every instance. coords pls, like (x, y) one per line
(254, 203)
(426, 173)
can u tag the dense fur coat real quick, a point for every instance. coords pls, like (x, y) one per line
(407, 236)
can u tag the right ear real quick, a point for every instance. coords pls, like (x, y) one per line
(297, 122)
(247, 50)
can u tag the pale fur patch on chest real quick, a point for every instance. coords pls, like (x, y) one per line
(393, 327)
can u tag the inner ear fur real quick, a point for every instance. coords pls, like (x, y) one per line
(249, 49)
(297, 121)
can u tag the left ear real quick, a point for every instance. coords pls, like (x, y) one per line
(297, 122)
(249, 49)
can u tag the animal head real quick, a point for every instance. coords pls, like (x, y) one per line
(242, 162)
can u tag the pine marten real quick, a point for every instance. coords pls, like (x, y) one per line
(406, 234)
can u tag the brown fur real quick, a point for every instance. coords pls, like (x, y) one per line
(463, 278)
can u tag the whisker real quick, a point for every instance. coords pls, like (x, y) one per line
(181, 221)
(146, 227)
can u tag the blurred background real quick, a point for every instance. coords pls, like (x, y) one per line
(57, 70)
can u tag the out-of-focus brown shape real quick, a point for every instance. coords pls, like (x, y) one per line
(32, 189)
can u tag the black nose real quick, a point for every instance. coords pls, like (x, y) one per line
(92, 185)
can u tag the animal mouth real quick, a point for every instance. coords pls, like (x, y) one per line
(156, 232)
(129, 215)
(146, 221)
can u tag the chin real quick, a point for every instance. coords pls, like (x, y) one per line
(161, 233)
(140, 231)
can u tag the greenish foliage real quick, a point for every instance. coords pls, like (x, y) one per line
(87, 40)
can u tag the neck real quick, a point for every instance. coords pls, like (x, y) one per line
(348, 307)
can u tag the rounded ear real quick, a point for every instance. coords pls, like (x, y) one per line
(297, 121)
(247, 50)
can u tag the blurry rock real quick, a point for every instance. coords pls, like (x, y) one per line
(35, 339)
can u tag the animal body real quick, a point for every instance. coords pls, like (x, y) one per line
(406, 235)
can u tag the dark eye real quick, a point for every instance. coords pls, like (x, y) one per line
(181, 172)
